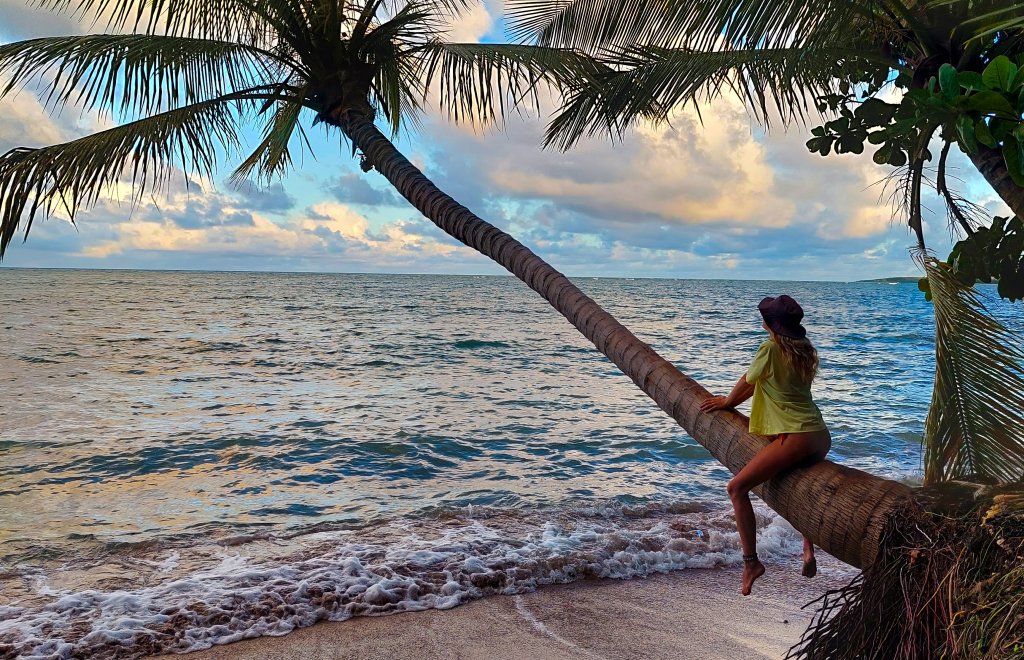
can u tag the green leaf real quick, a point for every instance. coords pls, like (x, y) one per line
(989, 102)
(898, 158)
(999, 73)
(1017, 81)
(970, 80)
(983, 135)
(882, 155)
(922, 285)
(840, 125)
(825, 146)
(878, 137)
(1014, 161)
(130, 74)
(965, 134)
(902, 127)
(71, 176)
(1011, 283)
(850, 144)
(948, 82)
(875, 112)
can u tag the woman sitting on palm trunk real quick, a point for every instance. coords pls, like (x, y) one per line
(779, 379)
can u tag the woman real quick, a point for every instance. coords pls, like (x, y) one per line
(779, 379)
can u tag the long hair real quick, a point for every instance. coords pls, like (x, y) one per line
(801, 354)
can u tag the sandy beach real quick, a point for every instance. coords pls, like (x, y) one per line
(686, 614)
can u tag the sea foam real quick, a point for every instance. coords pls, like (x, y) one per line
(191, 598)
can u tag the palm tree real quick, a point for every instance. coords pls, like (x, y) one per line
(189, 72)
(788, 58)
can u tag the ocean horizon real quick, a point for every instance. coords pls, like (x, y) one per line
(195, 457)
(904, 278)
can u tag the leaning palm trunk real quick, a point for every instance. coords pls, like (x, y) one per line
(991, 164)
(841, 509)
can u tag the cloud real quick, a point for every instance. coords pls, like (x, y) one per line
(711, 199)
(189, 228)
(867, 221)
(354, 189)
(25, 123)
(270, 199)
(24, 21)
(196, 209)
(474, 23)
(714, 190)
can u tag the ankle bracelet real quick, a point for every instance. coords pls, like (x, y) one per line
(750, 558)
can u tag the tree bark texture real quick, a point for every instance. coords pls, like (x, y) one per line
(840, 509)
(992, 166)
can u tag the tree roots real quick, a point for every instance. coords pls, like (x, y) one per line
(948, 583)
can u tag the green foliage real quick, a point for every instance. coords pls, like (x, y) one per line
(993, 253)
(975, 110)
(967, 107)
(973, 430)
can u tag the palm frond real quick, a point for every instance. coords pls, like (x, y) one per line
(594, 25)
(133, 73)
(986, 18)
(71, 176)
(391, 48)
(648, 81)
(273, 157)
(975, 426)
(247, 21)
(397, 92)
(478, 82)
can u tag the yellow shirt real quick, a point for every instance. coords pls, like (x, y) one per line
(782, 404)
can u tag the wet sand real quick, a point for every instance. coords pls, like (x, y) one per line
(687, 614)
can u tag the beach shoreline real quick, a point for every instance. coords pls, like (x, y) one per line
(694, 613)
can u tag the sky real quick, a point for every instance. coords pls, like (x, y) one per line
(718, 198)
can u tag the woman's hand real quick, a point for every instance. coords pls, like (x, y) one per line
(714, 403)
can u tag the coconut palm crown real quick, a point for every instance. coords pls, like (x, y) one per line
(190, 74)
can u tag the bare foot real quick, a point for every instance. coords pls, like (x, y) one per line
(810, 568)
(751, 571)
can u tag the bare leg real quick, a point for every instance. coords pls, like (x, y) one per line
(783, 453)
(810, 568)
(746, 525)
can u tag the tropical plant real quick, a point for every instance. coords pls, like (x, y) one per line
(973, 431)
(896, 74)
(194, 70)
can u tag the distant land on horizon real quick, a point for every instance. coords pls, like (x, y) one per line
(894, 280)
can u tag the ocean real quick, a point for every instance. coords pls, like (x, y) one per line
(191, 458)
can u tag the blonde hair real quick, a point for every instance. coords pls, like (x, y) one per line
(801, 354)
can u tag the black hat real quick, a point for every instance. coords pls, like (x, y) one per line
(783, 316)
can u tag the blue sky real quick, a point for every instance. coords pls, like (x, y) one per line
(720, 199)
